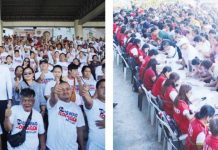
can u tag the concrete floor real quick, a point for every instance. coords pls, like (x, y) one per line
(131, 129)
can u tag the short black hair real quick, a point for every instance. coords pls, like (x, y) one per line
(152, 52)
(196, 61)
(16, 51)
(84, 68)
(27, 92)
(99, 82)
(72, 66)
(57, 66)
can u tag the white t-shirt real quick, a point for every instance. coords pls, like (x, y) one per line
(26, 54)
(64, 118)
(11, 68)
(98, 72)
(3, 57)
(6, 84)
(92, 85)
(48, 77)
(96, 135)
(18, 61)
(36, 127)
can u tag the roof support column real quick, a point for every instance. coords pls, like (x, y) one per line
(1, 32)
(78, 29)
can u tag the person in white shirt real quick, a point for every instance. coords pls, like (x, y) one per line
(5, 95)
(57, 72)
(17, 58)
(66, 122)
(95, 111)
(3, 55)
(44, 76)
(88, 79)
(15, 119)
(11, 66)
(63, 62)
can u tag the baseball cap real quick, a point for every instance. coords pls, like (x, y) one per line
(43, 61)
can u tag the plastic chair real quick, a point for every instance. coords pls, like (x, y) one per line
(170, 138)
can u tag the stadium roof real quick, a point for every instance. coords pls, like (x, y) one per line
(49, 10)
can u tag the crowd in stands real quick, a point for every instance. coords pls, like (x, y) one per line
(173, 35)
(60, 85)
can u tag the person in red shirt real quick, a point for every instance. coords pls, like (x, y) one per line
(165, 73)
(169, 93)
(211, 142)
(182, 114)
(142, 53)
(198, 128)
(133, 52)
(151, 54)
(150, 74)
(122, 35)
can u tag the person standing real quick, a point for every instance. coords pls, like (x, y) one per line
(15, 120)
(6, 94)
(66, 121)
(95, 112)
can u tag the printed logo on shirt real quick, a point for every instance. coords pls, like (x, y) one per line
(102, 113)
(11, 69)
(32, 127)
(70, 116)
(17, 61)
(45, 81)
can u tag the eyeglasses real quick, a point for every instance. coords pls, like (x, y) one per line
(28, 73)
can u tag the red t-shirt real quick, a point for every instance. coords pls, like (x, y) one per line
(114, 27)
(140, 53)
(143, 66)
(122, 37)
(168, 103)
(128, 47)
(119, 36)
(181, 120)
(211, 143)
(195, 127)
(149, 74)
(156, 90)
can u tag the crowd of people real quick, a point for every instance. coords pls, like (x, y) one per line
(164, 36)
(53, 91)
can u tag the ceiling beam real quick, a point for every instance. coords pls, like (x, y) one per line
(94, 13)
(11, 24)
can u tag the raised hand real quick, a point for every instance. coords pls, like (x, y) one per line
(8, 111)
(42, 76)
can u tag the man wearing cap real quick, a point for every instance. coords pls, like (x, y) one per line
(44, 76)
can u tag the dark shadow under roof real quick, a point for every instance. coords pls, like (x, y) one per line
(49, 10)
